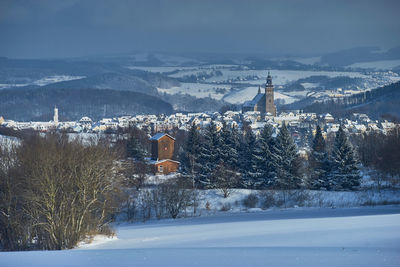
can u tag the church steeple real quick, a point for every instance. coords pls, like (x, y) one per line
(269, 97)
(269, 79)
(259, 89)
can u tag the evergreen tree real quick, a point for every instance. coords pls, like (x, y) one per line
(266, 158)
(345, 174)
(319, 162)
(248, 162)
(189, 157)
(134, 149)
(209, 156)
(287, 161)
(229, 147)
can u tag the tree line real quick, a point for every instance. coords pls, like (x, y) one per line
(230, 159)
(380, 152)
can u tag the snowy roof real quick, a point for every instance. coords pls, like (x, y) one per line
(253, 102)
(157, 136)
(151, 161)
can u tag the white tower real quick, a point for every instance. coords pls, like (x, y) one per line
(55, 118)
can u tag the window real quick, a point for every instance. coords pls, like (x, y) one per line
(160, 168)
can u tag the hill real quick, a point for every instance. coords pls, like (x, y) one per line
(38, 104)
(378, 103)
(115, 81)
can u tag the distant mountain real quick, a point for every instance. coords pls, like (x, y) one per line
(25, 104)
(359, 54)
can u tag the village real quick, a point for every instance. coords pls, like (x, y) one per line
(300, 124)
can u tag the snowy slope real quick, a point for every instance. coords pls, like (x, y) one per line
(249, 92)
(312, 237)
(378, 65)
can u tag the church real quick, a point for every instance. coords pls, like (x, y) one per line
(264, 103)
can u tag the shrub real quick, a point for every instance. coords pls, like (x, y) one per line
(267, 199)
(299, 197)
(226, 207)
(250, 201)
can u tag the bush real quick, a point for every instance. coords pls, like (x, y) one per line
(226, 207)
(250, 201)
(267, 199)
(299, 197)
(176, 195)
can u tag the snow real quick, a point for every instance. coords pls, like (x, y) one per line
(44, 81)
(9, 141)
(378, 65)
(248, 80)
(308, 60)
(199, 90)
(310, 85)
(279, 77)
(159, 69)
(249, 92)
(56, 79)
(96, 241)
(292, 237)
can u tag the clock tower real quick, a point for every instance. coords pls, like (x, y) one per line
(269, 97)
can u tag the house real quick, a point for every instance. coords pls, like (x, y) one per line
(162, 151)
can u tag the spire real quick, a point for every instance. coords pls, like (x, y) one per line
(269, 79)
(259, 89)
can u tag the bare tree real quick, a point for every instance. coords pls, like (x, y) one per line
(177, 194)
(67, 190)
(226, 179)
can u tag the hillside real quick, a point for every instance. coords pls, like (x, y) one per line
(38, 104)
(359, 54)
(376, 103)
(115, 81)
(289, 237)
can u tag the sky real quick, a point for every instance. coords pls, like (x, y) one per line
(74, 28)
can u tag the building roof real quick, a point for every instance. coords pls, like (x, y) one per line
(155, 162)
(158, 136)
(253, 102)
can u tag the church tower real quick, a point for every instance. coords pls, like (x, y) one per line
(269, 97)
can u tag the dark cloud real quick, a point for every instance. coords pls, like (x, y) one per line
(64, 28)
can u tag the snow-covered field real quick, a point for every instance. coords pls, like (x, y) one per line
(249, 92)
(44, 81)
(290, 237)
(199, 90)
(245, 81)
